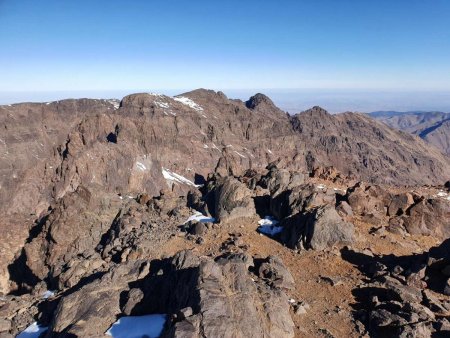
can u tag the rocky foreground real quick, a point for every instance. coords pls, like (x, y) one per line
(198, 260)
(200, 216)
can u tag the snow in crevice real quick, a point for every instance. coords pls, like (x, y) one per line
(321, 186)
(48, 294)
(205, 146)
(173, 177)
(188, 102)
(269, 151)
(199, 217)
(141, 166)
(239, 154)
(268, 226)
(150, 326)
(32, 331)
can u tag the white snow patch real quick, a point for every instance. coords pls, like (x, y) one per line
(141, 166)
(172, 113)
(155, 94)
(240, 154)
(443, 195)
(149, 326)
(162, 104)
(204, 116)
(47, 103)
(205, 146)
(115, 103)
(48, 294)
(215, 147)
(171, 176)
(321, 186)
(269, 151)
(32, 331)
(199, 217)
(268, 226)
(188, 102)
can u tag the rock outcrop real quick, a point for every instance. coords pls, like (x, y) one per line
(317, 229)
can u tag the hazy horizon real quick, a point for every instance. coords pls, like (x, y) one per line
(290, 100)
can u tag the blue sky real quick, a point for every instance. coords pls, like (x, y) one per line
(395, 46)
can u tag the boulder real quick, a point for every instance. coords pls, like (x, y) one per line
(300, 199)
(400, 203)
(371, 200)
(429, 217)
(318, 229)
(233, 200)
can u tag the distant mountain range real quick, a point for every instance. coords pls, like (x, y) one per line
(433, 127)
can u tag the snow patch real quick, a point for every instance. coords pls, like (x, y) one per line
(240, 154)
(171, 176)
(205, 146)
(443, 194)
(162, 104)
(48, 294)
(114, 103)
(141, 166)
(32, 331)
(269, 151)
(268, 226)
(199, 217)
(188, 102)
(149, 326)
(321, 186)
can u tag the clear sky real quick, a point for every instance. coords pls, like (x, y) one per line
(383, 45)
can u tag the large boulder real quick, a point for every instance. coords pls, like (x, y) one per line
(299, 199)
(318, 229)
(279, 180)
(248, 307)
(201, 296)
(400, 203)
(429, 217)
(90, 311)
(233, 200)
(371, 200)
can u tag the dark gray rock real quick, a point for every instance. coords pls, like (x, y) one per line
(233, 200)
(317, 229)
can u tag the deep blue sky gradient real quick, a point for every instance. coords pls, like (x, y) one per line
(401, 45)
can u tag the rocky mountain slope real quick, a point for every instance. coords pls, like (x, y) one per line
(211, 217)
(434, 127)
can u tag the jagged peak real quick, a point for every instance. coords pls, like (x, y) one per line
(204, 93)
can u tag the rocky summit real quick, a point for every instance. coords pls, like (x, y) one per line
(203, 216)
